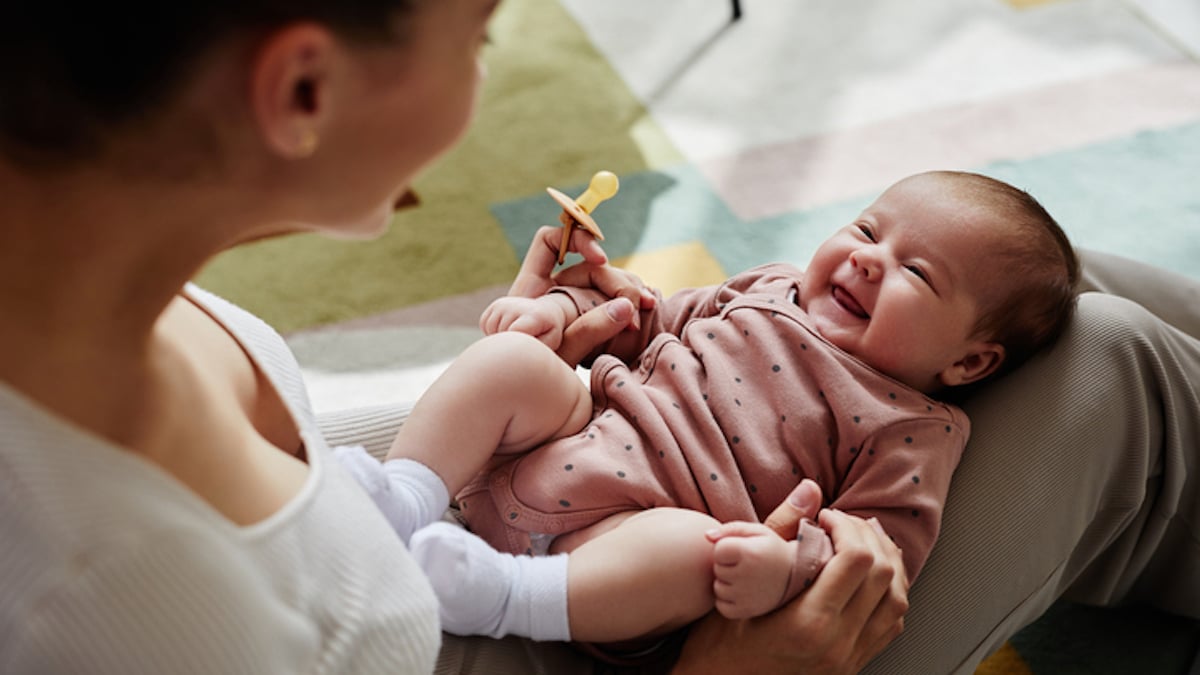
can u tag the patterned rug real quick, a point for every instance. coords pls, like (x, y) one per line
(747, 141)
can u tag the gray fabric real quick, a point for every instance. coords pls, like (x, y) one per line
(1172, 297)
(371, 427)
(1080, 480)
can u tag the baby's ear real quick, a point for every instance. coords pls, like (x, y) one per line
(983, 359)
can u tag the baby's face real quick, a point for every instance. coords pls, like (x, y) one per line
(900, 287)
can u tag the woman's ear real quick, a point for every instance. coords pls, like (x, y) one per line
(290, 88)
(983, 359)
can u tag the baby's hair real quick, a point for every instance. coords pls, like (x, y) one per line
(1034, 305)
(69, 76)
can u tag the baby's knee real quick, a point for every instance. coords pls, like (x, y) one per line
(679, 532)
(509, 356)
(683, 556)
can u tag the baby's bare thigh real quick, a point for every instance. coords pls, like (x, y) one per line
(684, 522)
(640, 574)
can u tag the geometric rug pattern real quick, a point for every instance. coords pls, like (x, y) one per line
(742, 142)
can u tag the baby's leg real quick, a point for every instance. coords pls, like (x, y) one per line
(506, 393)
(650, 574)
(641, 574)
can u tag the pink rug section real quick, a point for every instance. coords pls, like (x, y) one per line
(771, 180)
(457, 311)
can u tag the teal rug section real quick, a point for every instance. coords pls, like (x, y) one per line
(1137, 196)
(652, 210)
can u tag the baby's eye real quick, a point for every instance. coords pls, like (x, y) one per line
(866, 232)
(918, 272)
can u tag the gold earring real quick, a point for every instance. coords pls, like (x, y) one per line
(308, 143)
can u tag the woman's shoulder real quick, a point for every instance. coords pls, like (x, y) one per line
(266, 347)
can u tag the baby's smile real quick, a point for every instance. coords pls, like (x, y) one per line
(847, 302)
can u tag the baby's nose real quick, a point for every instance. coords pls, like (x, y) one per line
(866, 263)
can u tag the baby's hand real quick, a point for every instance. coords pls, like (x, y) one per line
(545, 317)
(751, 567)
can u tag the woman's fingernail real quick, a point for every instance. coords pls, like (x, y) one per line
(794, 499)
(878, 528)
(618, 311)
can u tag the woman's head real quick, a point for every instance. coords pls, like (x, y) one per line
(351, 97)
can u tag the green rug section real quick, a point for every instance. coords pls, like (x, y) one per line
(554, 111)
(548, 88)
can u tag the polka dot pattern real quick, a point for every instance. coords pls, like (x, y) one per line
(762, 420)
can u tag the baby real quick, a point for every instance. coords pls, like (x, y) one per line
(631, 510)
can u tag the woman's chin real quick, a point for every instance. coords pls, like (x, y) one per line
(371, 226)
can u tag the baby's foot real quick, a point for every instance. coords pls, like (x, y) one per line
(482, 591)
(751, 568)
(472, 580)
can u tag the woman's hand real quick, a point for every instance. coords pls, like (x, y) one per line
(855, 608)
(629, 295)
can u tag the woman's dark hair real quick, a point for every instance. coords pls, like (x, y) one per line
(69, 75)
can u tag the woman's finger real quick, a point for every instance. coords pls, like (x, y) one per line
(803, 502)
(611, 281)
(593, 328)
(587, 246)
(537, 269)
(887, 620)
(846, 571)
(874, 610)
(533, 279)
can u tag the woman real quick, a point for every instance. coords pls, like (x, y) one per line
(168, 502)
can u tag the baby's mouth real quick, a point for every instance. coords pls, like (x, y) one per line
(843, 298)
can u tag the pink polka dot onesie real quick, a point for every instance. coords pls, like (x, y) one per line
(731, 399)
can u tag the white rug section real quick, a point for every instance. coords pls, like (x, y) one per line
(793, 69)
(352, 369)
(348, 369)
(1179, 20)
